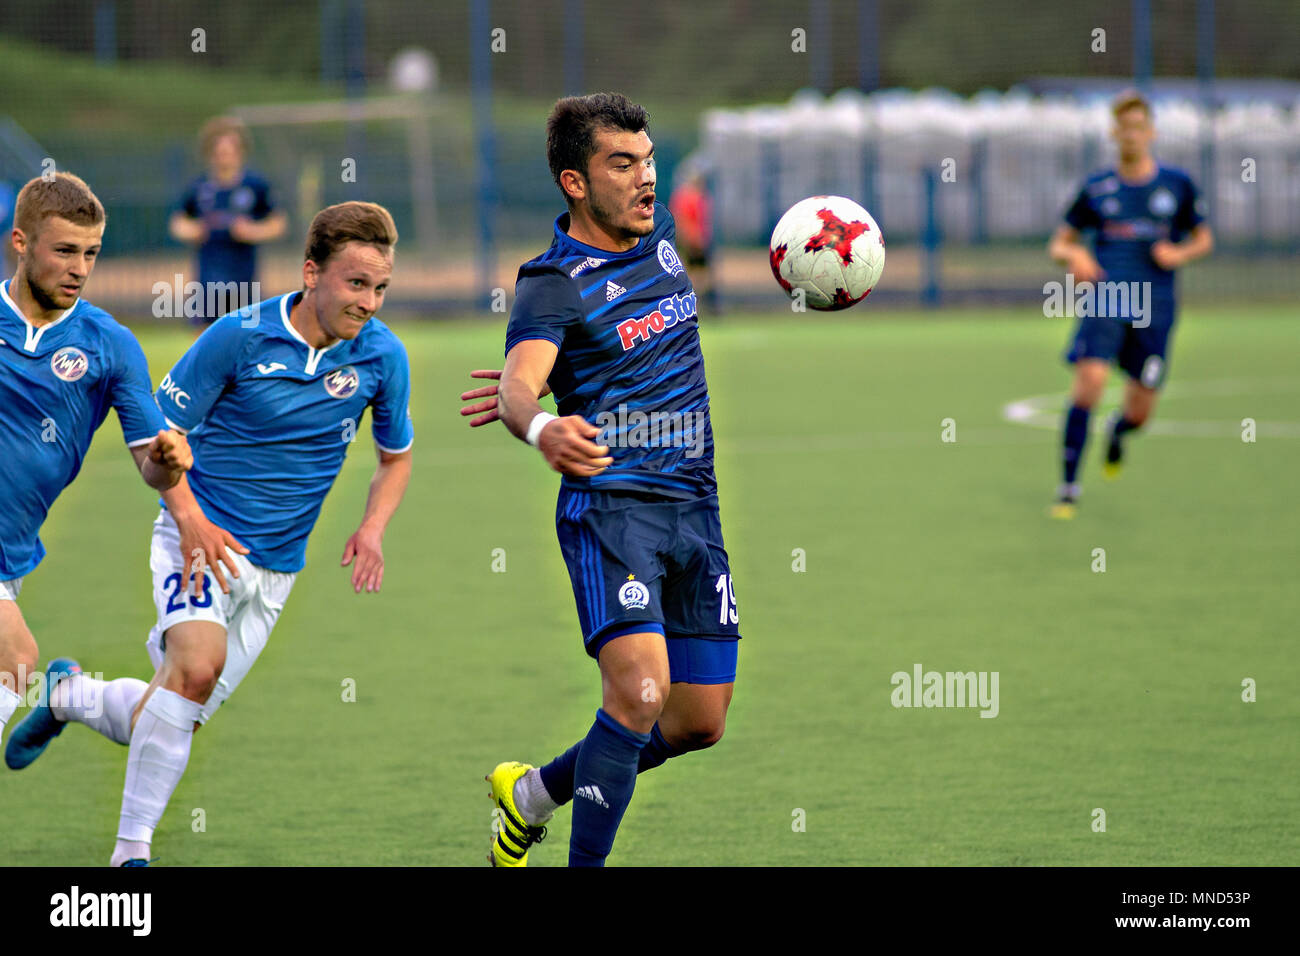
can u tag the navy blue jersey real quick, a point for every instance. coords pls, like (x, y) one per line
(270, 419)
(221, 258)
(629, 360)
(1128, 218)
(57, 383)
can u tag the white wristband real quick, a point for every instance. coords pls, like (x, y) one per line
(540, 421)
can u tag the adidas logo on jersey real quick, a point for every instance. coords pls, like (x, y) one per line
(613, 290)
(592, 792)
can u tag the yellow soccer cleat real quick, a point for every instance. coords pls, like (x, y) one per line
(1111, 470)
(511, 836)
(1063, 510)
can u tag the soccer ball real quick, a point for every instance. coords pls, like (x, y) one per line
(829, 247)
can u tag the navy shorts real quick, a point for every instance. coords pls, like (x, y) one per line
(1141, 352)
(641, 563)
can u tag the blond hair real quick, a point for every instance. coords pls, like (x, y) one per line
(65, 196)
(334, 226)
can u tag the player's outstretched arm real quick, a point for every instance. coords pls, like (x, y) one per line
(1066, 247)
(566, 443)
(1169, 255)
(203, 544)
(387, 487)
(486, 410)
(164, 460)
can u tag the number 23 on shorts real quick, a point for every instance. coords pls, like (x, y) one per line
(176, 598)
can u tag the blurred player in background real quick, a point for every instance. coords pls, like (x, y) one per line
(1147, 222)
(607, 316)
(693, 213)
(227, 212)
(63, 364)
(272, 397)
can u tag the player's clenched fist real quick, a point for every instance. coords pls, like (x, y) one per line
(1085, 268)
(1166, 255)
(566, 445)
(171, 449)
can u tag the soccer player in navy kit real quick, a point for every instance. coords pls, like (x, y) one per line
(1148, 222)
(63, 365)
(271, 397)
(227, 212)
(607, 317)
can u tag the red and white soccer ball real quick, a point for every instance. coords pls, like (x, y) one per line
(829, 247)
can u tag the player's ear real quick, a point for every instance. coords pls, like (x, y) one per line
(310, 273)
(574, 186)
(19, 239)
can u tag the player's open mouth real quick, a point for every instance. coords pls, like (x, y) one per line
(71, 289)
(646, 205)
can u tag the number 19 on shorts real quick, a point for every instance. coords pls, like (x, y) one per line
(727, 604)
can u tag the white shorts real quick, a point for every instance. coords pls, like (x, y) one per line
(9, 589)
(248, 612)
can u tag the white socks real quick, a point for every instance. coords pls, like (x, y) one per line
(103, 706)
(9, 702)
(532, 800)
(160, 749)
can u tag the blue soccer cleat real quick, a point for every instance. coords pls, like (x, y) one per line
(30, 738)
(138, 861)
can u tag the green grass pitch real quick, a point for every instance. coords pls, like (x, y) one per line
(1119, 690)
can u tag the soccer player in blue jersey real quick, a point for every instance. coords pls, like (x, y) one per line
(63, 365)
(1148, 222)
(227, 212)
(271, 397)
(607, 317)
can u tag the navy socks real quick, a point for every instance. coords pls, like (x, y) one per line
(1076, 435)
(604, 776)
(557, 776)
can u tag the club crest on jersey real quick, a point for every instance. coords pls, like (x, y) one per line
(634, 595)
(342, 382)
(668, 258)
(69, 363)
(671, 310)
(1162, 203)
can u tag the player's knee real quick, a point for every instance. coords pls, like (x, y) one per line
(702, 735)
(198, 681)
(634, 710)
(1088, 393)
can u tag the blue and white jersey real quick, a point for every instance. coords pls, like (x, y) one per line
(270, 419)
(1128, 218)
(57, 383)
(629, 360)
